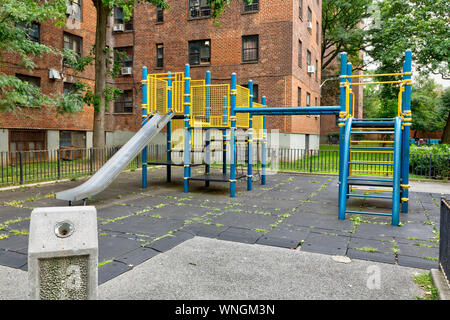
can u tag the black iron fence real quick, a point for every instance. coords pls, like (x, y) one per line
(444, 243)
(434, 166)
(35, 166)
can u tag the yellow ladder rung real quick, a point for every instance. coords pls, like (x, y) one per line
(368, 171)
(357, 151)
(365, 189)
(370, 141)
(381, 129)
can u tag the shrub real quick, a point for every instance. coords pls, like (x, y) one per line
(432, 160)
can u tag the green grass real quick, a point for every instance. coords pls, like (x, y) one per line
(425, 282)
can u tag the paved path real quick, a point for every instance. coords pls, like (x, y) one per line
(290, 212)
(204, 268)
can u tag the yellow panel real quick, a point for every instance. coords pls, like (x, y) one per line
(242, 101)
(207, 109)
(177, 134)
(157, 95)
(258, 123)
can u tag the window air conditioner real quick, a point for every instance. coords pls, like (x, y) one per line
(119, 27)
(126, 71)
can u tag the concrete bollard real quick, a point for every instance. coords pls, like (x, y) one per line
(63, 253)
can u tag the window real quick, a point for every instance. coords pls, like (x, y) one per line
(26, 140)
(309, 15)
(76, 139)
(124, 55)
(249, 48)
(251, 7)
(308, 99)
(199, 52)
(119, 19)
(315, 102)
(32, 81)
(299, 96)
(159, 55)
(300, 9)
(32, 30)
(308, 57)
(199, 9)
(315, 71)
(255, 93)
(72, 42)
(75, 9)
(124, 103)
(317, 32)
(159, 15)
(68, 87)
(65, 138)
(300, 50)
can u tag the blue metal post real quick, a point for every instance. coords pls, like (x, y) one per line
(169, 130)
(406, 106)
(187, 129)
(144, 118)
(208, 133)
(344, 174)
(396, 178)
(233, 136)
(341, 124)
(250, 140)
(224, 135)
(264, 146)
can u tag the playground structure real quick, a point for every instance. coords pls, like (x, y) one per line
(202, 118)
(204, 124)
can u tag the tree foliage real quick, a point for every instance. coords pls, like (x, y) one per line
(16, 17)
(342, 29)
(428, 105)
(420, 25)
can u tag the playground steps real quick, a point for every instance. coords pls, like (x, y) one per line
(360, 154)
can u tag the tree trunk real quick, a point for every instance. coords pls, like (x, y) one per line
(100, 74)
(446, 134)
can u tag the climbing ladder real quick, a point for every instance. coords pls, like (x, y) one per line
(390, 165)
(370, 165)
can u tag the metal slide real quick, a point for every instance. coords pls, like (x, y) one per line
(118, 162)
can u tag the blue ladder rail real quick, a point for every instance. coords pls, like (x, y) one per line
(346, 181)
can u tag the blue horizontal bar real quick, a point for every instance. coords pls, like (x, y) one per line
(367, 196)
(371, 213)
(373, 163)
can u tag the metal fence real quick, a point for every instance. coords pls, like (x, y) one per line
(444, 243)
(35, 166)
(435, 166)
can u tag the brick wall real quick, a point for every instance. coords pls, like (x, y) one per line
(276, 72)
(53, 36)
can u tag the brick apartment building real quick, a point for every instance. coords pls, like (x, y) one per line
(275, 43)
(43, 129)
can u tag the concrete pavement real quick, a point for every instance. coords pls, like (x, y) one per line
(204, 268)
